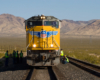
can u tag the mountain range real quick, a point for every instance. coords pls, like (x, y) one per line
(11, 25)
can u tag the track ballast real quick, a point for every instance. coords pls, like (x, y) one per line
(43, 73)
(91, 68)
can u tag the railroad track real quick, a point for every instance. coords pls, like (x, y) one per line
(93, 69)
(43, 73)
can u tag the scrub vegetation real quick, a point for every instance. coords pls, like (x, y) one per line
(86, 49)
(11, 44)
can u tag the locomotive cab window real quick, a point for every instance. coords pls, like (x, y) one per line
(51, 23)
(34, 23)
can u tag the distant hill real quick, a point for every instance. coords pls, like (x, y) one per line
(92, 28)
(11, 25)
(68, 25)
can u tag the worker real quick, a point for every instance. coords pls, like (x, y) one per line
(61, 55)
(65, 60)
(7, 58)
(14, 53)
(21, 56)
(17, 57)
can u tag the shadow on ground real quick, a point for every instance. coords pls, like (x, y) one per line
(13, 67)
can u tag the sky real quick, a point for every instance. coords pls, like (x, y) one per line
(76, 10)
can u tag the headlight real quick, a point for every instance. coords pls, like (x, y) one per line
(34, 45)
(51, 45)
(42, 17)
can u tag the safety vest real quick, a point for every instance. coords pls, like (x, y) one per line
(21, 54)
(67, 59)
(16, 55)
(6, 55)
(62, 53)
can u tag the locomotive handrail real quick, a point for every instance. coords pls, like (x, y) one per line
(56, 42)
(29, 43)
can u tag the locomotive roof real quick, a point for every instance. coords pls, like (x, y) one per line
(38, 18)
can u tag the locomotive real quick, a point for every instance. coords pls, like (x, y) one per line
(43, 40)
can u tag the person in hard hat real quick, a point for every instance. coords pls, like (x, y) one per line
(16, 57)
(14, 53)
(61, 55)
(21, 56)
(6, 58)
(65, 60)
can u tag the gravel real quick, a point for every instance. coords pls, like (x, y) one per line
(41, 75)
(13, 72)
(72, 72)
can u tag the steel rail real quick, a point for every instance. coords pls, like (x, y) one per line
(53, 73)
(91, 68)
(27, 75)
(43, 73)
(33, 74)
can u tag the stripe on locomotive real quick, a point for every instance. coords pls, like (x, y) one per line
(43, 33)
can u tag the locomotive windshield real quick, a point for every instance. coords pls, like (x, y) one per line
(51, 23)
(46, 23)
(34, 23)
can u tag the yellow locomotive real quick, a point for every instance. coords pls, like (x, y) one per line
(42, 40)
